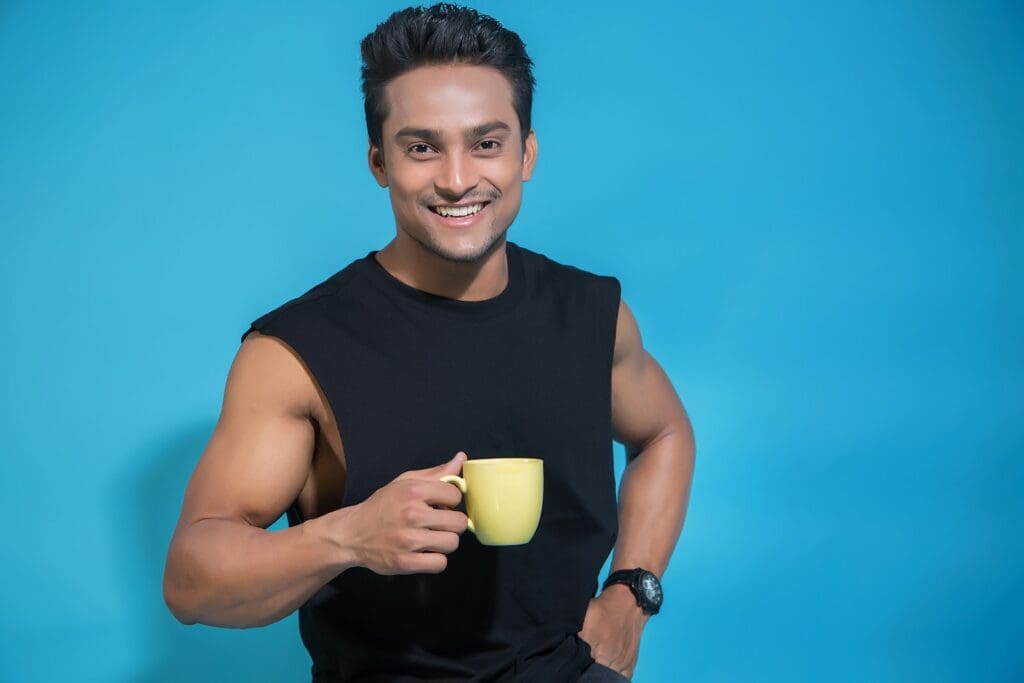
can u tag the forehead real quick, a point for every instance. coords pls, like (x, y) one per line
(450, 97)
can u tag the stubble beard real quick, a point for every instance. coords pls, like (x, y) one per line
(428, 242)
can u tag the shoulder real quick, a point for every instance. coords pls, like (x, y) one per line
(628, 343)
(305, 308)
(267, 374)
(278, 348)
(605, 291)
(552, 270)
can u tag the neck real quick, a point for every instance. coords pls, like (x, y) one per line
(419, 267)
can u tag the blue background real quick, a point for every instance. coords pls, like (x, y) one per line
(815, 212)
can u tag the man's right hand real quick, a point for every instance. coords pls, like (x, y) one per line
(397, 530)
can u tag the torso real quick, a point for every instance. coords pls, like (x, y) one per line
(324, 489)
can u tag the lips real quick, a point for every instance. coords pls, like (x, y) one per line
(460, 215)
(458, 210)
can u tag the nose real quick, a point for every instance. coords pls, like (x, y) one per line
(456, 176)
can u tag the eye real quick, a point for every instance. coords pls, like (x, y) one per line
(490, 145)
(419, 149)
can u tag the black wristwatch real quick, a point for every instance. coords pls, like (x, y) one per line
(644, 584)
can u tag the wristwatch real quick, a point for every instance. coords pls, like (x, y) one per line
(644, 584)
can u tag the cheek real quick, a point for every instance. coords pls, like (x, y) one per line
(506, 177)
(512, 185)
(403, 189)
(512, 197)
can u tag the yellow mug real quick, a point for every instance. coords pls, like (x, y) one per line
(503, 498)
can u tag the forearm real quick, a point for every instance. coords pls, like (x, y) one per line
(653, 498)
(228, 573)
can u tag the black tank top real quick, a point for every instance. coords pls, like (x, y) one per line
(413, 378)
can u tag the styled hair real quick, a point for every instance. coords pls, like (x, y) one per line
(441, 34)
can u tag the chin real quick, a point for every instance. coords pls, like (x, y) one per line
(462, 249)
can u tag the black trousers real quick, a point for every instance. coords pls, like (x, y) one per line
(599, 673)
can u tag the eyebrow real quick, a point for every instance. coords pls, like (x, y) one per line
(432, 135)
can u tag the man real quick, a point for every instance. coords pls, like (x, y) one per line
(341, 403)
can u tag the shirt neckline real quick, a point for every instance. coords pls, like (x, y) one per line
(454, 308)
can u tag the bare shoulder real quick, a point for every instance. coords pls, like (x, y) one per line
(628, 343)
(261, 450)
(267, 373)
(645, 405)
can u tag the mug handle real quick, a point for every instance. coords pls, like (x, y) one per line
(461, 484)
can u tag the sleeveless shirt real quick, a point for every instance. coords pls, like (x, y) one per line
(412, 378)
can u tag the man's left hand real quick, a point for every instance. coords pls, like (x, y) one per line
(612, 628)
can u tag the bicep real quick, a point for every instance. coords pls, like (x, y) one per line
(259, 455)
(644, 403)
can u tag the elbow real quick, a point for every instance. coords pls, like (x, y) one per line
(178, 604)
(176, 596)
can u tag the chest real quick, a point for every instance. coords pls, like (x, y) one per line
(391, 407)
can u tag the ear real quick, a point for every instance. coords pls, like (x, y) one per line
(376, 159)
(529, 155)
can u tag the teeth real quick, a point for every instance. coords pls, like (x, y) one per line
(458, 211)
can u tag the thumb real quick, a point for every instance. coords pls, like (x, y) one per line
(453, 466)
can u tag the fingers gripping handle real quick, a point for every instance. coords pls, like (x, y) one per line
(461, 484)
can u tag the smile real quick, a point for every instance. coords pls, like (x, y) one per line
(458, 211)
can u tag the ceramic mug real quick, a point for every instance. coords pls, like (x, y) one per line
(503, 498)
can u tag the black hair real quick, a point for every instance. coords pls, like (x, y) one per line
(441, 34)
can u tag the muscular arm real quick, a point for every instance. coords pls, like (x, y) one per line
(649, 419)
(223, 567)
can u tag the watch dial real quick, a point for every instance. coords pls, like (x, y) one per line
(651, 589)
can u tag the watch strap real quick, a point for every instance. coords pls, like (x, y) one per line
(621, 576)
(629, 577)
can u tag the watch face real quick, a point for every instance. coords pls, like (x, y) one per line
(651, 588)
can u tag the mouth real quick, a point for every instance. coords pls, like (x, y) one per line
(459, 215)
(458, 210)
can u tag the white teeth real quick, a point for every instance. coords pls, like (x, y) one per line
(458, 211)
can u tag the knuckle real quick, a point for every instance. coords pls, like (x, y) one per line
(404, 540)
(409, 515)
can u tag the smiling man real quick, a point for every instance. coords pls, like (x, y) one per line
(450, 151)
(344, 407)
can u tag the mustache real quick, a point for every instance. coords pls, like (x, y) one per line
(474, 196)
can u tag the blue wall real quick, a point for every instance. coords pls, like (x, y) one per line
(815, 210)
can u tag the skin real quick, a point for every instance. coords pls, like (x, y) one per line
(276, 442)
(451, 165)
